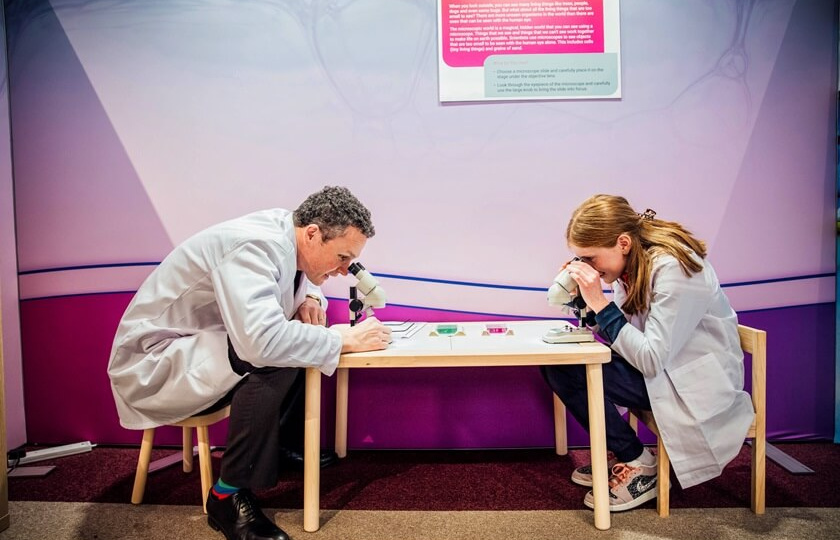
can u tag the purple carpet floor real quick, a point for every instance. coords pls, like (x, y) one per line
(432, 480)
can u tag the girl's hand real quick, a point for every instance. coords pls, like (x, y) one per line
(589, 285)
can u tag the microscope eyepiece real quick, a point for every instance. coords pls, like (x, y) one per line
(355, 268)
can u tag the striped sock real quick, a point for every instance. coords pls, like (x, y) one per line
(222, 490)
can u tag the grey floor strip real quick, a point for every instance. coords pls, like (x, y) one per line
(786, 462)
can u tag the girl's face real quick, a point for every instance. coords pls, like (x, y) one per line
(610, 262)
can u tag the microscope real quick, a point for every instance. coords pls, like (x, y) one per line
(373, 295)
(563, 293)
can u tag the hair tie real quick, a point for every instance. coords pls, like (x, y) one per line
(648, 215)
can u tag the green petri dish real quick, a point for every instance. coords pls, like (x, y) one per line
(446, 329)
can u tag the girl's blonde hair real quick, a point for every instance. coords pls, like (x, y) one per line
(601, 219)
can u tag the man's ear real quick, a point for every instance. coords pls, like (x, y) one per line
(311, 232)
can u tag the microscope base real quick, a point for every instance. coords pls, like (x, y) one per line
(568, 334)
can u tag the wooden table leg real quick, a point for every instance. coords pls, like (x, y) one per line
(341, 394)
(312, 452)
(598, 445)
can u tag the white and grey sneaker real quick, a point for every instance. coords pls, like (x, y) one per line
(629, 487)
(582, 476)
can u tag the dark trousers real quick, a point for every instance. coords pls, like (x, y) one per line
(266, 414)
(260, 405)
(624, 386)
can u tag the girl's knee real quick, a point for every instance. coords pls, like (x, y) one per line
(564, 380)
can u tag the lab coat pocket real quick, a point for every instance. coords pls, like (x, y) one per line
(704, 387)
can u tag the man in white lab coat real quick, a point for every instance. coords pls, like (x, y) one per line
(229, 317)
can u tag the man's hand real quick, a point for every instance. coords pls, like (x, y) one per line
(310, 312)
(368, 335)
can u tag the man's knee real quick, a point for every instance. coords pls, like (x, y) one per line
(270, 387)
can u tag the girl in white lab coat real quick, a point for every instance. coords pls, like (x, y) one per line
(675, 345)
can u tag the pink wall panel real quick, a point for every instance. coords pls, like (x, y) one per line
(68, 399)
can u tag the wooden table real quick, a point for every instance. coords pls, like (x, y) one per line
(523, 346)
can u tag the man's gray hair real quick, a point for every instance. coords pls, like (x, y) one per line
(333, 209)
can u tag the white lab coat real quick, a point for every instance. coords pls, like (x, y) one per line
(169, 359)
(687, 347)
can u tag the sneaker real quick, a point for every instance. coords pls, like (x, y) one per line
(629, 487)
(582, 476)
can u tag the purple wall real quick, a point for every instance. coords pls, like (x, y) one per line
(69, 397)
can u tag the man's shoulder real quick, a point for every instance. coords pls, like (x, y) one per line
(271, 231)
(274, 224)
(269, 218)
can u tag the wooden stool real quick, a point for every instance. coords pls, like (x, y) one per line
(201, 425)
(754, 342)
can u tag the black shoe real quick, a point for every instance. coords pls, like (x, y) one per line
(239, 517)
(294, 458)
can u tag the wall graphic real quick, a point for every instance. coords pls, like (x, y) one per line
(137, 124)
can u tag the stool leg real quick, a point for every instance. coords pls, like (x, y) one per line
(143, 466)
(759, 454)
(663, 480)
(633, 420)
(187, 449)
(205, 464)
